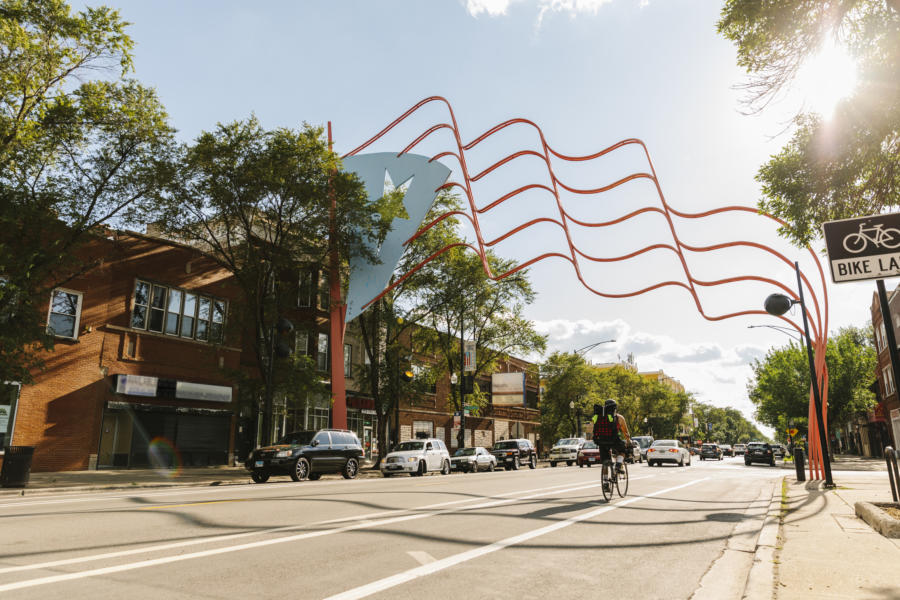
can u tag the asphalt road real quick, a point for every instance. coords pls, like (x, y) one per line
(520, 534)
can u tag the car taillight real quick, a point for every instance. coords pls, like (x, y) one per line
(651, 450)
(673, 449)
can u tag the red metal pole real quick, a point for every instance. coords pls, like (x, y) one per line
(338, 312)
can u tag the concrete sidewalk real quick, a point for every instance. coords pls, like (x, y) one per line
(824, 550)
(847, 462)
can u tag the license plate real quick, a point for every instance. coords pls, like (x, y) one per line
(260, 463)
(591, 459)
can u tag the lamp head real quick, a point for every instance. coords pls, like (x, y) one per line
(778, 304)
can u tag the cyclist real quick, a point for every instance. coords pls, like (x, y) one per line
(611, 432)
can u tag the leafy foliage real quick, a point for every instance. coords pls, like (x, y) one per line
(259, 203)
(780, 384)
(644, 403)
(79, 148)
(849, 166)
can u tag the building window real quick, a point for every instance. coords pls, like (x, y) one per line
(9, 396)
(301, 343)
(348, 360)
(324, 292)
(65, 314)
(888, 381)
(318, 418)
(176, 312)
(883, 337)
(305, 288)
(322, 354)
(425, 428)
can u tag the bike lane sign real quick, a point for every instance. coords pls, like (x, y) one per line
(864, 247)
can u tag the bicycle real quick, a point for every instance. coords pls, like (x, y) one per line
(611, 475)
(857, 242)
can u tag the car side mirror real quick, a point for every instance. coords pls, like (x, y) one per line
(314, 443)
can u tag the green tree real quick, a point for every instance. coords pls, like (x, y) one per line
(259, 203)
(848, 166)
(387, 327)
(465, 303)
(723, 425)
(79, 148)
(780, 384)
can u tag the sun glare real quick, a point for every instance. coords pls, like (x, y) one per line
(826, 78)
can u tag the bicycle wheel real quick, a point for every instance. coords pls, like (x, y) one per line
(622, 482)
(855, 243)
(890, 238)
(606, 472)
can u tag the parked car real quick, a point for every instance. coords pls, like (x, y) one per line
(779, 450)
(695, 450)
(588, 455)
(417, 457)
(473, 459)
(726, 450)
(565, 450)
(759, 452)
(710, 451)
(739, 449)
(672, 451)
(644, 442)
(512, 454)
(307, 455)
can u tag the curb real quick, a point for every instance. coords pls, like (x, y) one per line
(878, 519)
(154, 485)
(761, 579)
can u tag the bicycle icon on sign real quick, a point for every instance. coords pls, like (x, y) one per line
(857, 242)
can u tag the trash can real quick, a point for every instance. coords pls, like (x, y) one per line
(16, 466)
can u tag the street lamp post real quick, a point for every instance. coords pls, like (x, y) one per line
(572, 409)
(777, 305)
(590, 346)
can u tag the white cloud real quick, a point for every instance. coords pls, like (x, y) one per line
(492, 8)
(574, 8)
(694, 353)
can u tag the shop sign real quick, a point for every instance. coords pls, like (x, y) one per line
(136, 385)
(879, 412)
(367, 411)
(508, 389)
(186, 390)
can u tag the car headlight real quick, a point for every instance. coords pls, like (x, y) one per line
(413, 458)
(283, 453)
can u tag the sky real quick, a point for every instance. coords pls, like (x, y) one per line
(590, 73)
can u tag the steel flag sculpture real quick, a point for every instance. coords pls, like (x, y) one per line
(563, 219)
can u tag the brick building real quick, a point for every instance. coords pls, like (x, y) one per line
(142, 373)
(137, 369)
(881, 426)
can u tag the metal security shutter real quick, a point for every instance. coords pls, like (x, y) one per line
(203, 439)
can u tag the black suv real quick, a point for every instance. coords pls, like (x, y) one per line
(710, 451)
(759, 452)
(308, 455)
(512, 454)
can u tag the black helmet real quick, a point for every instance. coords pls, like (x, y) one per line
(610, 406)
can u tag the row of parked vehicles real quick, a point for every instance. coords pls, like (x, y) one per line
(310, 454)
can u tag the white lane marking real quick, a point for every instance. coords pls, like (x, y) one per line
(364, 524)
(439, 565)
(423, 558)
(175, 491)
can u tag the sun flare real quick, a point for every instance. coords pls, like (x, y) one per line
(826, 78)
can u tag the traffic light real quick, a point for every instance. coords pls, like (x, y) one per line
(282, 328)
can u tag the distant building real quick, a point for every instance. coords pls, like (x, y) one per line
(660, 377)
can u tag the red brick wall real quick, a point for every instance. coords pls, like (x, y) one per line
(61, 413)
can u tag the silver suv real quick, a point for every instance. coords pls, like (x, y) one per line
(417, 457)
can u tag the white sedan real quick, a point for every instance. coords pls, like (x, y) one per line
(671, 451)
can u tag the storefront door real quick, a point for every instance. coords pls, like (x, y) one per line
(367, 442)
